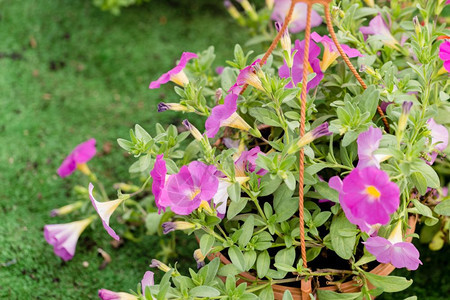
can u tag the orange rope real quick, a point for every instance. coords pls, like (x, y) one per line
(348, 62)
(302, 132)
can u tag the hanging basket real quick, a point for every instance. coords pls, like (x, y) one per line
(346, 287)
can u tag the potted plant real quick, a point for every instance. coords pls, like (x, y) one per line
(309, 178)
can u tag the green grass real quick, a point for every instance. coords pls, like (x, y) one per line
(87, 76)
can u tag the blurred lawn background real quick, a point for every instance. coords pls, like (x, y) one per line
(69, 72)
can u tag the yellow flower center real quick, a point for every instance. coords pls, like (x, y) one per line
(373, 191)
(195, 193)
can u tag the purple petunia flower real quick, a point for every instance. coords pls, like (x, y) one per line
(246, 163)
(105, 294)
(368, 142)
(330, 50)
(444, 54)
(298, 21)
(147, 280)
(219, 70)
(439, 138)
(297, 68)
(105, 210)
(82, 153)
(175, 75)
(185, 191)
(158, 174)
(64, 237)
(393, 250)
(225, 115)
(367, 196)
(378, 27)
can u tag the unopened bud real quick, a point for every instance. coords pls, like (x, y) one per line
(171, 106)
(417, 26)
(285, 40)
(199, 258)
(402, 121)
(178, 225)
(194, 131)
(162, 266)
(67, 209)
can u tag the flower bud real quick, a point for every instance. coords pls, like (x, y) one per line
(402, 121)
(285, 40)
(269, 4)
(67, 209)
(218, 94)
(310, 136)
(178, 225)
(232, 10)
(171, 106)
(248, 9)
(199, 258)
(370, 3)
(162, 266)
(417, 26)
(194, 131)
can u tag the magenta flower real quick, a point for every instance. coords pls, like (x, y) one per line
(105, 294)
(367, 196)
(78, 158)
(330, 51)
(439, 138)
(105, 210)
(185, 191)
(219, 70)
(246, 163)
(248, 76)
(393, 250)
(64, 237)
(297, 68)
(147, 280)
(225, 115)
(177, 74)
(378, 28)
(368, 142)
(298, 22)
(444, 54)
(158, 174)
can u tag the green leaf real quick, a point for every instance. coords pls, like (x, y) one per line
(250, 259)
(206, 242)
(263, 264)
(432, 179)
(237, 258)
(419, 182)
(343, 242)
(443, 208)
(390, 284)
(325, 191)
(265, 116)
(330, 295)
(228, 270)
(152, 222)
(234, 191)
(236, 207)
(267, 293)
(247, 231)
(204, 291)
(287, 295)
(269, 185)
(213, 267)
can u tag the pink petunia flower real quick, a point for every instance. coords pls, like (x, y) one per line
(297, 68)
(393, 250)
(367, 196)
(78, 158)
(248, 76)
(444, 54)
(105, 294)
(185, 191)
(219, 70)
(177, 74)
(298, 21)
(105, 210)
(64, 237)
(368, 142)
(439, 138)
(246, 163)
(330, 50)
(147, 280)
(378, 27)
(158, 174)
(225, 115)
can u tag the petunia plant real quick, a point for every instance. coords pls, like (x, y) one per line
(362, 154)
